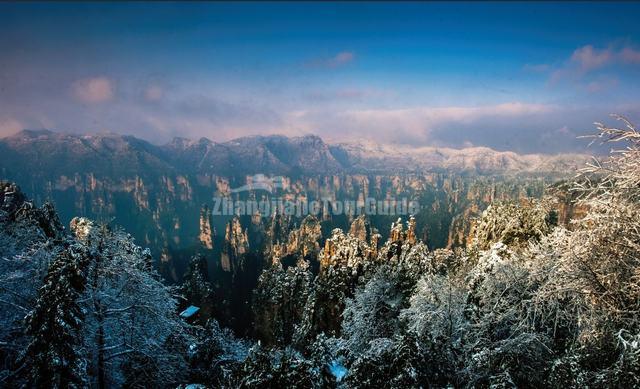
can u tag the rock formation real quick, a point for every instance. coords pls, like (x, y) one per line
(236, 244)
(206, 234)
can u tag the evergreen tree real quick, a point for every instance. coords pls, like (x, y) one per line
(197, 290)
(279, 302)
(54, 357)
(132, 327)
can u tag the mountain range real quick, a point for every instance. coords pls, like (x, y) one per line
(163, 194)
(274, 154)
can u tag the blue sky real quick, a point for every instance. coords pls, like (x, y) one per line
(528, 77)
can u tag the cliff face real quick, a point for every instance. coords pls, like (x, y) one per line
(206, 234)
(236, 245)
(353, 249)
(361, 228)
(300, 243)
(166, 213)
(158, 193)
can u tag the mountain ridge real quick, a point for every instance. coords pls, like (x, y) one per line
(274, 154)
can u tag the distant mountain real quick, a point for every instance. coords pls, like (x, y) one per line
(481, 160)
(44, 153)
(164, 195)
(250, 155)
(53, 153)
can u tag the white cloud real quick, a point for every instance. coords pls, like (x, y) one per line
(434, 115)
(153, 93)
(411, 124)
(589, 58)
(601, 84)
(93, 90)
(10, 126)
(340, 59)
(630, 55)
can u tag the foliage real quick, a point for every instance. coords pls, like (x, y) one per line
(515, 224)
(54, 356)
(529, 304)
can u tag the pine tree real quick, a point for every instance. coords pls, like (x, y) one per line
(197, 289)
(131, 325)
(279, 302)
(53, 356)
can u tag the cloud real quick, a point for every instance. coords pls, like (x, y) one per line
(434, 115)
(340, 59)
(407, 125)
(93, 90)
(630, 55)
(153, 93)
(198, 115)
(511, 126)
(588, 58)
(10, 126)
(601, 85)
(347, 94)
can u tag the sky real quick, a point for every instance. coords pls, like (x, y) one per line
(527, 77)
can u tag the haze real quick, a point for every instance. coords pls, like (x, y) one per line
(527, 77)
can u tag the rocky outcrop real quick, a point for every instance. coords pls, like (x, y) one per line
(16, 211)
(277, 232)
(303, 242)
(236, 245)
(11, 198)
(206, 234)
(399, 234)
(361, 228)
(566, 204)
(344, 250)
(156, 192)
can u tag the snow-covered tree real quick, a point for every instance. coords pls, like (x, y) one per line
(54, 356)
(373, 312)
(279, 302)
(388, 363)
(592, 272)
(197, 290)
(216, 356)
(131, 320)
(514, 224)
(278, 368)
(437, 318)
(30, 238)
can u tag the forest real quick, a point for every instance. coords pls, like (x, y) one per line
(529, 302)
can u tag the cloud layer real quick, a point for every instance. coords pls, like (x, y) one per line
(589, 59)
(339, 109)
(9, 126)
(93, 90)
